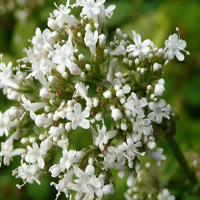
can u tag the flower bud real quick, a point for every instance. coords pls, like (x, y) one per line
(42, 121)
(130, 180)
(108, 189)
(52, 79)
(46, 94)
(159, 89)
(151, 145)
(68, 126)
(124, 126)
(121, 174)
(56, 131)
(88, 67)
(102, 40)
(116, 114)
(107, 94)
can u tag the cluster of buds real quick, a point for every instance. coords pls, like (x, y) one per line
(21, 8)
(147, 186)
(72, 80)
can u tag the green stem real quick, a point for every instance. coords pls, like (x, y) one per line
(179, 156)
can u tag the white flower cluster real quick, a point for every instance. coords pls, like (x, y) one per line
(54, 86)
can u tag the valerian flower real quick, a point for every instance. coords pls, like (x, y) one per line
(174, 45)
(78, 117)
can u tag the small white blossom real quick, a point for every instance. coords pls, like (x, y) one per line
(131, 149)
(142, 126)
(104, 136)
(6, 76)
(91, 40)
(64, 183)
(82, 90)
(136, 106)
(88, 181)
(8, 151)
(117, 153)
(174, 45)
(5, 124)
(35, 154)
(62, 56)
(159, 111)
(158, 156)
(78, 117)
(31, 107)
(42, 41)
(27, 173)
(139, 48)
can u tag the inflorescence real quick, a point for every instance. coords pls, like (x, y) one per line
(72, 79)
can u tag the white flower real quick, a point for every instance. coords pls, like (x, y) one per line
(109, 10)
(56, 131)
(42, 121)
(142, 126)
(136, 106)
(62, 16)
(78, 117)
(158, 156)
(104, 136)
(69, 158)
(165, 195)
(159, 111)
(117, 153)
(82, 90)
(8, 151)
(27, 173)
(42, 41)
(174, 45)
(90, 6)
(119, 50)
(139, 48)
(5, 124)
(31, 107)
(38, 71)
(119, 88)
(131, 149)
(88, 181)
(62, 56)
(63, 185)
(35, 154)
(90, 40)
(6, 76)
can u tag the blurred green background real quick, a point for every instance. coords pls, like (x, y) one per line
(153, 19)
